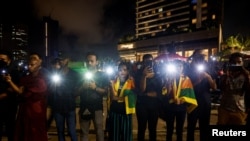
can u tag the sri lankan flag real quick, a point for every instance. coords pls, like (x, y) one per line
(127, 93)
(185, 92)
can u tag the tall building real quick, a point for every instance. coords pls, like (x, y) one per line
(13, 36)
(37, 36)
(44, 38)
(50, 36)
(188, 24)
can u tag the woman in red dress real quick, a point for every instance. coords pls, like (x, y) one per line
(31, 117)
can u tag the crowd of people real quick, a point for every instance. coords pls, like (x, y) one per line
(181, 92)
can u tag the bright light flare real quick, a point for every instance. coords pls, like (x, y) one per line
(88, 75)
(109, 70)
(3, 71)
(56, 78)
(171, 68)
(200, 67)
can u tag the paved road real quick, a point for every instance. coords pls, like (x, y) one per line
(161, 129)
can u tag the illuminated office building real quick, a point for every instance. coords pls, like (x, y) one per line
(188, 24)
(50, 36)
(13, 36)
(41, 36)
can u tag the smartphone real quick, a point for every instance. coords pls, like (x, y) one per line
(4, 71)
(149, 63)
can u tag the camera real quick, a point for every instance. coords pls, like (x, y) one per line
(232, 67)
(235, 68)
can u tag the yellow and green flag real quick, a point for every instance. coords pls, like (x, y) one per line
(127, 92)
(185, 92)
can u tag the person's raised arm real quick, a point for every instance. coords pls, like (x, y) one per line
(15, 88)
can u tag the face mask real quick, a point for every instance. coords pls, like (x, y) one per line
(3, 64)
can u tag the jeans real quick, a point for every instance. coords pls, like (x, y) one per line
(70, 119)
(98, 125)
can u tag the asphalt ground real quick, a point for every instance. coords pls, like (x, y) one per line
(161, 128)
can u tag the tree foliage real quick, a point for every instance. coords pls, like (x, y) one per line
(239, 41)
(234, 43)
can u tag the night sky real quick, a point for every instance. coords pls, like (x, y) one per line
(98, 24)
(90, 24)
(86, 25)
(236, 18)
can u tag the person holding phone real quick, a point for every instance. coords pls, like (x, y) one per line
(235, 86)
(203, 82)
(31, 116)
(148, 86)
(91, 90)
(7, 97)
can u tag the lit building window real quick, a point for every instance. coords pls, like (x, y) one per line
(168, 13)
(179, 53)
(168, 25)
(213, 16)
(194, 7)
(188, 53)
(160, 27)
(160, 10)
(146, 13)
(205, 51)
(204, 11)
(214, 51)
(160, 15)
(185, 29)
(153, 34)
(204, 18)
(146, 24)
(194, 21)
(204, 5)
(153, 11)
(126, 46)
(147, 29)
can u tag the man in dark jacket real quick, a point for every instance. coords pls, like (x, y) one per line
(63, 89)
(92, 90)
(8, 100)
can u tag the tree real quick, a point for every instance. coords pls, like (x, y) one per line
(238, 42)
